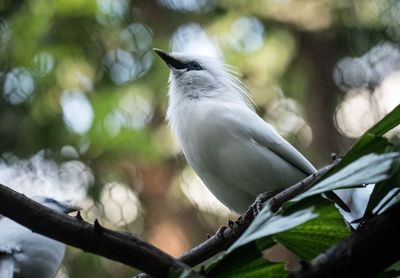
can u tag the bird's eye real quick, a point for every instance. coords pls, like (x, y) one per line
(194, 66)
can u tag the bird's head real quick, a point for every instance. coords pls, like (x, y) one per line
(59, 206)
(196, 76)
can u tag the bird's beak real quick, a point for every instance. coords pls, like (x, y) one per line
(169, 60)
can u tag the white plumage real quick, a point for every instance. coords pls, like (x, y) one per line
(235, 152)
(27, 254)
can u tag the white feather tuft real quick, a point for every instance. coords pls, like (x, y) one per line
(233, 78)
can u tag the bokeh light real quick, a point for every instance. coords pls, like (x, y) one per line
(39, 175)
(121, 205)
(74, 73)
(369, 70)
(112, 11)
(137, 38)
(189, 5)
(371, 84)
(191, 38)
(133, 111)
(388, 94)
(43, 63)
(285, 115)
(247, 34)
(122, 66)
(354, 115)
(19, 86)
(77, 111)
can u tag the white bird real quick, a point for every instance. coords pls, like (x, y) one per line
(235, 152)
(24, 253)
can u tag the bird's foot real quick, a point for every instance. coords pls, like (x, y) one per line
(220, 232)
(260, 200)
(239, 220)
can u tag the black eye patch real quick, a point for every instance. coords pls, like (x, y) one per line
(193, 66)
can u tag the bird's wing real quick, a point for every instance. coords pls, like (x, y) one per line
(265, 135)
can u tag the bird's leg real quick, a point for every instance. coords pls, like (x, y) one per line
(256, 207)
(260, 200)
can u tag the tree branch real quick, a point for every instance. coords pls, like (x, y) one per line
(281, 198)
(125, 248)
(366, 253)
(95, 239)
(222, 241)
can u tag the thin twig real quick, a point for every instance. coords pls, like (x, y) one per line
(279, 199)
(95, 239)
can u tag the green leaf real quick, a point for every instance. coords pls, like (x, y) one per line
(387, 201)
(392, 271)
(267, 223)
(257, 268)
(372, 168)
(389, 274)
(184, 273)
(314, 237)
(248, 258)
(369, 144)
(377, 195)
(389, 122)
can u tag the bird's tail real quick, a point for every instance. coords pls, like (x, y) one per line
(6, 266)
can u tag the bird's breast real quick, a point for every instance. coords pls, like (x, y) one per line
(205, 137)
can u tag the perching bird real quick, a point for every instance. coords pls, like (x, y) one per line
(27, 254)
(234, 151)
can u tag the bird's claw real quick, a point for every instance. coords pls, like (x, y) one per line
(257, 207)
(239, 220)
(220, 232)
(260, 200)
